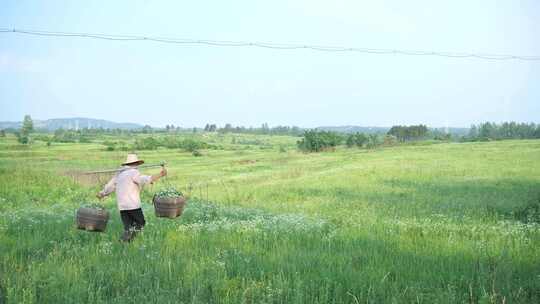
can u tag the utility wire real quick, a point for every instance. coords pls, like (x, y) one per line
(268, 45)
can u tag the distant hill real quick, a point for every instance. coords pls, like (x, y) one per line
(72, 123)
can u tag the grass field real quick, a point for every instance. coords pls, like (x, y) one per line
(424, 223)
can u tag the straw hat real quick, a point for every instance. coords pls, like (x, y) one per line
(132, 159)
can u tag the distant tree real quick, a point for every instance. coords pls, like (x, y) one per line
(473, 131)
(316, 141)
(65, 136)
(23, 139)
(356, 139)
(406, 133)
(505, 130)
(265, 129)
(486, 131)
(373, 141)
(2, 133)
(28, 125)
(147, 129)
(390, 140)
(147, 143)
(210, 128)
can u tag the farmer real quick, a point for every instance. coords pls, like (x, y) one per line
(128, 183)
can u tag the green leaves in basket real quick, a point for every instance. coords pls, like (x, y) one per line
(92, 205)
(169, 192)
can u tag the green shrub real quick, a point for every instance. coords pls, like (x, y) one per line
(22, 138)
(65, 136)
(316, 141)
(147, 143)
(85, 139)
(356, 139)
(530, 213)
(192, 145)
(390, 140)
(373, 141)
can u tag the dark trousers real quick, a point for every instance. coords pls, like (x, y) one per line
(132, 219)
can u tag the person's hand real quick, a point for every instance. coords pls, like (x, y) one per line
(163, 172)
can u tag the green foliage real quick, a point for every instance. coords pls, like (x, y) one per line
(154, 142)
(27, 125)
(84, 139)
(356, 139)
(390, 140)
(264, 129)
(93, 205)
(187, 144)
(2, 133)
(147, 129)
(530, 213)
(443, 136)
(197, 153)
(116, 146)
(192, 145)
(42, 137)
(146, 143)
(65, 136)
(373, 141)
(22, 138)
(72, 136)
(169, 192)
(316, 141)
(507, 130)
(406, 133)
(210, 128)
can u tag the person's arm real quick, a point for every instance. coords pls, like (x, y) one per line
(108, 189)
(142, 180)
(159, 175)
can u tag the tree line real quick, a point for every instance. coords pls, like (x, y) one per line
(312, 140)
(318, 140)
(264, 129)
(407, 133)
(506, 130)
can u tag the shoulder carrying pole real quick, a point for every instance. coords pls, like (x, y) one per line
(161, 164)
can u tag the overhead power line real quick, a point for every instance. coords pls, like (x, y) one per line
(269, 45)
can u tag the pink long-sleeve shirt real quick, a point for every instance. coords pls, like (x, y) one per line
(128, 184)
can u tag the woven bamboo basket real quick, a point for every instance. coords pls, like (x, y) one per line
(170, 207)
(92, 219)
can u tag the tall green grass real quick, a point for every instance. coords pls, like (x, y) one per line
(410, 224)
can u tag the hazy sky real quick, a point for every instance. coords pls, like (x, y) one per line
(159, 84)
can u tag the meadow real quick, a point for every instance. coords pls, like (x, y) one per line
(419, 223)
